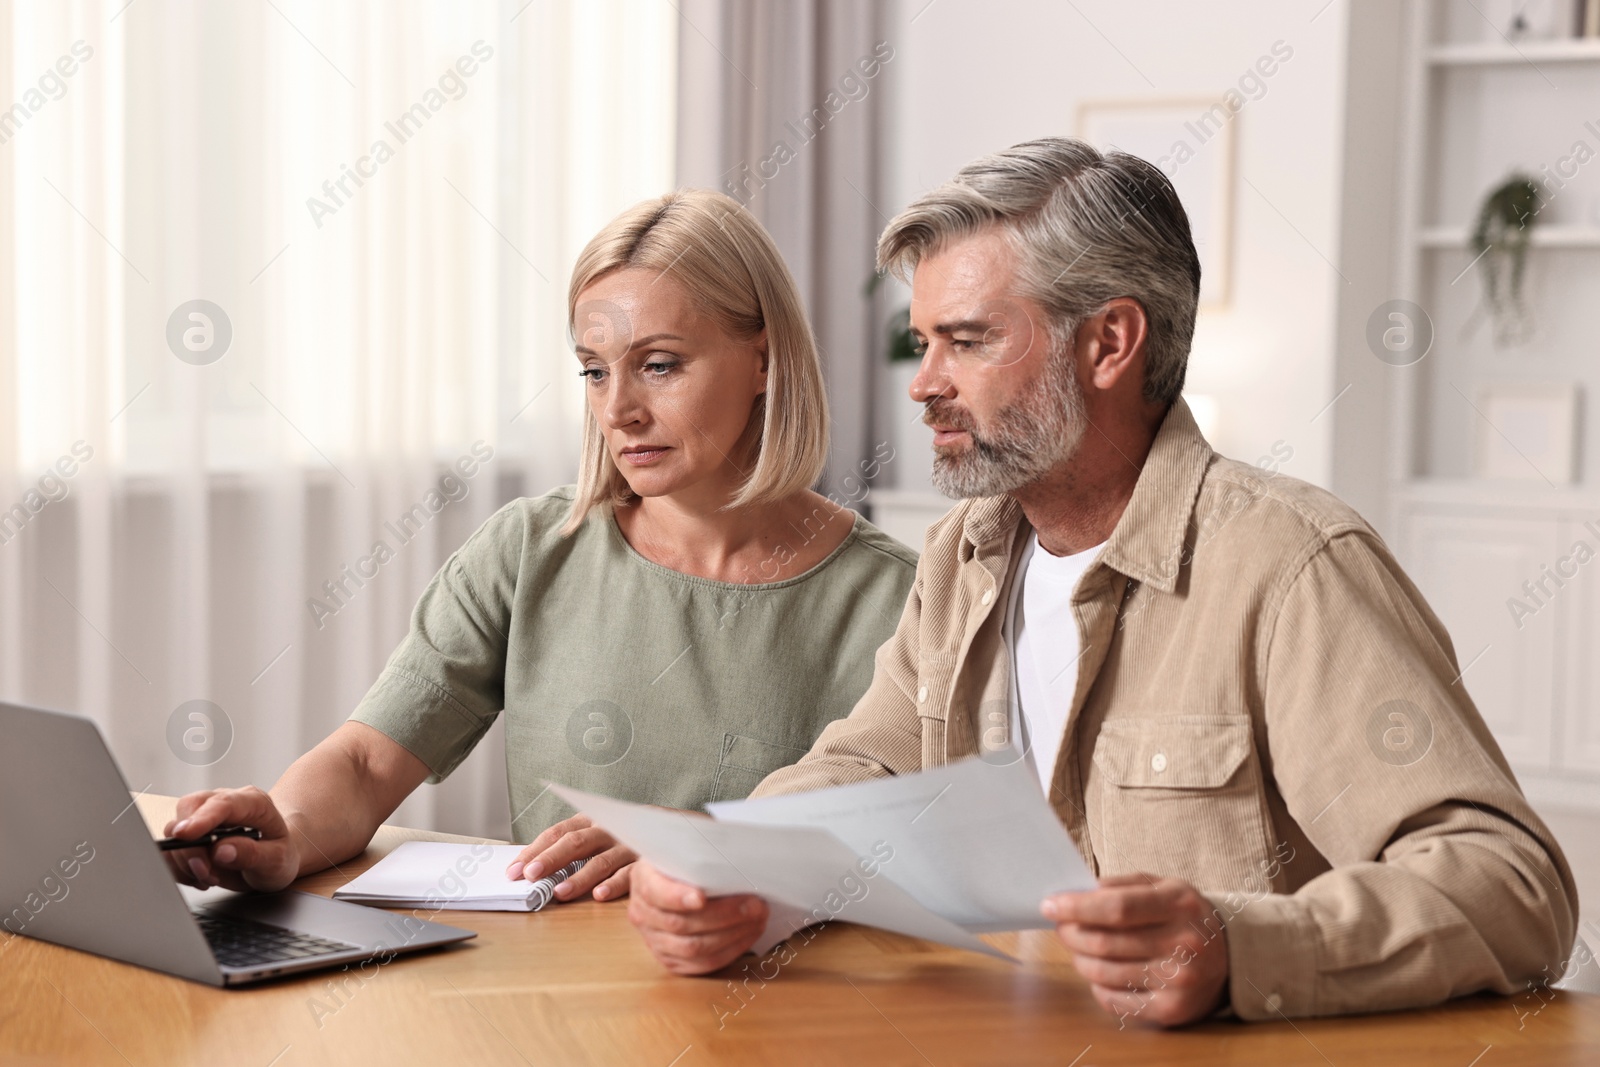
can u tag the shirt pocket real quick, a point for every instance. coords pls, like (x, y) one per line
(1180, 797)
(745, 761)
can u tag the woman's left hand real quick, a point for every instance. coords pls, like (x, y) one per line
(606, 873)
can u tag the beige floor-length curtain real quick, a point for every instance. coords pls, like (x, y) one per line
(780, 106)
(379, 206)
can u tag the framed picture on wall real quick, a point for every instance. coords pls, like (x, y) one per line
(1526, 432)
(1191, 139)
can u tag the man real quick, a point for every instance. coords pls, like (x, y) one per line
(1239, 706)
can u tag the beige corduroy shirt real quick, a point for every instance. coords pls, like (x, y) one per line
(1266, 708)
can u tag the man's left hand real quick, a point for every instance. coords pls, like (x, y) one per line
(1143, 944)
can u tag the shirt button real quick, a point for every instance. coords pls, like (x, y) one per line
(1158, 762)
(1274, 1002)
(988, 595)
(922, 694)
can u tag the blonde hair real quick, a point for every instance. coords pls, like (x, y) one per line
(728, 263)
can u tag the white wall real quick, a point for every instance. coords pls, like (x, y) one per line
(973, 76)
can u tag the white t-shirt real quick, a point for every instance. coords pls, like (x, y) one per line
(1043, 638)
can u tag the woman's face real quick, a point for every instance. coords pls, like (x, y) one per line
(671, 391)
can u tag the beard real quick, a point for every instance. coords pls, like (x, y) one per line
(1023, 443)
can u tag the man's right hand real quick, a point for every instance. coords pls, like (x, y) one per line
(687, 932)
(236, 863)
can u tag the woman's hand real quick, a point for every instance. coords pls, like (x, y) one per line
(237, 863)
(608, 872)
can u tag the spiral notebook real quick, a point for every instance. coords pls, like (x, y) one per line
(451, 876)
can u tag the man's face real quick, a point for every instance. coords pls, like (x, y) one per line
(1001, 393)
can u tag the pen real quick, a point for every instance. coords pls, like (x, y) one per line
(167, 844)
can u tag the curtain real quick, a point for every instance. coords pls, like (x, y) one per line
(780, 105)
(282, 320)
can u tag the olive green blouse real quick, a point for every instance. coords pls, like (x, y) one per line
(623, 677)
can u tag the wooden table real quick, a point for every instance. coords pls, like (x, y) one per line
(574, 985)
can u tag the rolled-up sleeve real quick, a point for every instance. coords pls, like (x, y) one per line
(445, 684)
(1443, 880)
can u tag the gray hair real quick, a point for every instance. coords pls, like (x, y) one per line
(1089, 226)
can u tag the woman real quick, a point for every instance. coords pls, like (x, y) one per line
(683, 621)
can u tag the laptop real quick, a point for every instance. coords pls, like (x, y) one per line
(79, 868)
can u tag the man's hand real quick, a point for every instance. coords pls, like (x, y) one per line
(608, 871)
(687, 932)
(1143, 945)
(237, 863)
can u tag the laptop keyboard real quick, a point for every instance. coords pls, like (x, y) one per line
(245, 943)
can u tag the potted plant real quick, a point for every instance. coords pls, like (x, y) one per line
(1500, 240)
(901, 345)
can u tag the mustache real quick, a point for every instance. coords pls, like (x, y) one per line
(947, 413)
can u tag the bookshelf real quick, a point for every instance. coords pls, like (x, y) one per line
(1505, 53)
(1477, 107)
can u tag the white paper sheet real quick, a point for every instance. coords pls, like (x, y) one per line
(444, 874)
(974, 842)
(803, 869)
